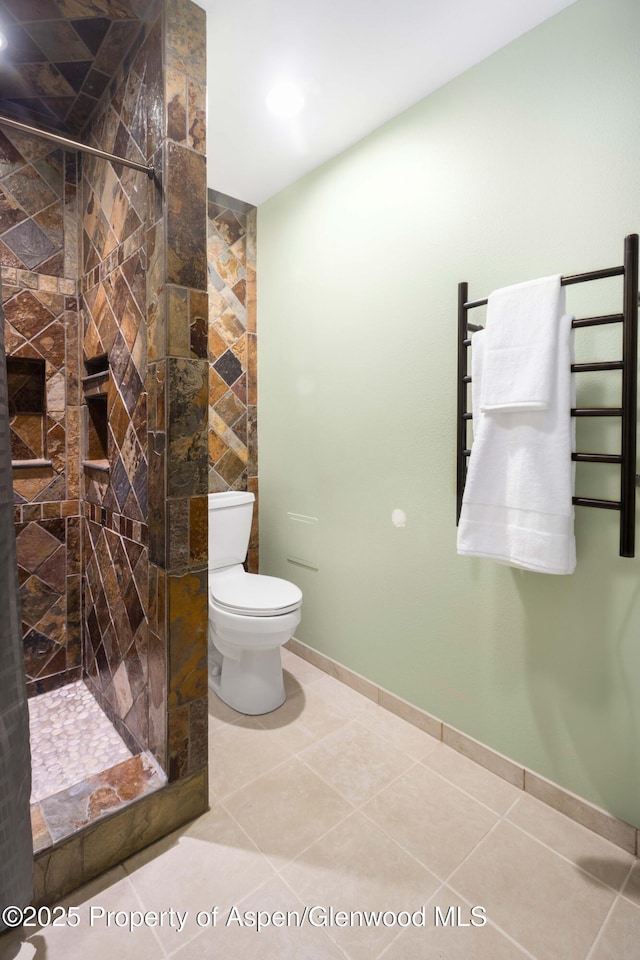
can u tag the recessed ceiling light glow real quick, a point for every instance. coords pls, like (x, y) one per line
(285, 100)
(3, 41)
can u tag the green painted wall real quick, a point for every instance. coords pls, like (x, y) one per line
(524, 166)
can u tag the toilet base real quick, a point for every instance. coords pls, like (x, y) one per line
(252, 684)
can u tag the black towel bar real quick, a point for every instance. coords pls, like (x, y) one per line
(627, 412)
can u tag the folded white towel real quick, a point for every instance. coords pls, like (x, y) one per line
(520, 353)
(517, 505)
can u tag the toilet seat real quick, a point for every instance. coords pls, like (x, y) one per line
(254, 595)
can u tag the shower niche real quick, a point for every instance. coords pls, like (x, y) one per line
(95, 384)
(27, 409)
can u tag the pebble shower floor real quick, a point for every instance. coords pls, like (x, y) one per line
(71, 739)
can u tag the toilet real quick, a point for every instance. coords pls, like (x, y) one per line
(250, 615)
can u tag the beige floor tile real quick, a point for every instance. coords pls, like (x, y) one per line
(91, 937)
(543, 902)
(620, 937)
(631, 889)
(284, 932)
(220, 712)
(303, 671)
(454, 932)
(210, 863)
(312, 709)
(581, 811)
(284, 813)
(291, 684)
(356, 762)
(594, 854)
(475, 780)
(357, 867)
(403, 735)
(432, 819)
(293, 737)
(319, 707)
(287, 809)
(344, 699)
(238, 753)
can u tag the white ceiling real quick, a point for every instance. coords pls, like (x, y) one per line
(358, 62)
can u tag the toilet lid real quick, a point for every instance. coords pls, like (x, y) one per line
(256, 595)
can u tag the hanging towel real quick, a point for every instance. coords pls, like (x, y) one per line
(517, 505)
(520, 345)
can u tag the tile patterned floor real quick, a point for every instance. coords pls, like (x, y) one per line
(332, 803)
(71, 739)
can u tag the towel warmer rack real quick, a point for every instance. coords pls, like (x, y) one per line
(627, 413)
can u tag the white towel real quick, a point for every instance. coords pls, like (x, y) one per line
(520, 345)
(517, 505)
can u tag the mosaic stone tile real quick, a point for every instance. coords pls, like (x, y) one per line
(252, 369)
(186, 224)
(232, 441)
(188, 396)
(53, 571)
(27, 438)
(178, 330)
(229, 227)
(185, 50)
(176, 94)
(217, 386)
(178, 742)
(157, 470)
(87, 802)
(8, 257)
(198, 529)
(29, 243)
(50, 343)
(228, 367)
(198, 735)
(71, 739)
(11, 213)
(230, 467)
(75, 47)
(230, 408)
(188, 600)
(239, 388)
(118, 645)
(34, 545)
(217, 446)
(27, 314)
(157, 699)
(39, 650)
(197, 133)
(30, 190)
(54, 264)
(51, 222)
(39, 829)
(10, 157)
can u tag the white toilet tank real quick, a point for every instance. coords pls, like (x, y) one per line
(230, 516)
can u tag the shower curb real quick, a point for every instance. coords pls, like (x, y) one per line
(91, 851)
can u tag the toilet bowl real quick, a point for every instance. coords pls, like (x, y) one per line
(250, 615)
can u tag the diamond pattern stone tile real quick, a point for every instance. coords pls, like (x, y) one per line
(61, 56)
(116, 624)
(114, 284)
(231, 265)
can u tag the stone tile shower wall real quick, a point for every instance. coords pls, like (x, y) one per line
(38, 257)
(231, 257)
(114, 202)
(142, 270)
(144, 259)
(116, 509)
(178, 411)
